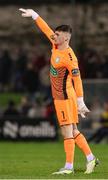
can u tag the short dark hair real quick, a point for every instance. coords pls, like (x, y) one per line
(64, 28)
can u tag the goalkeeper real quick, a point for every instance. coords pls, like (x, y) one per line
(68, 96)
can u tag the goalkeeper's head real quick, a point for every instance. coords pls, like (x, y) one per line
(64, 28)
(62, 34)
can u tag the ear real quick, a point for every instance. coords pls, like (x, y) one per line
(67, 36)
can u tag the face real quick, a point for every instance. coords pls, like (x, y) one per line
(59, 37)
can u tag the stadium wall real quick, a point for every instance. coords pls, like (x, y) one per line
(89, 23)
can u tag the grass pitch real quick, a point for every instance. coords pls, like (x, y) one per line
(39, 160)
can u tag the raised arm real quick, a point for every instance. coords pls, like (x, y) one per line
(39, 21)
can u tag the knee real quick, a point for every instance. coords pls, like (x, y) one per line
(67, 132)
(67, 135)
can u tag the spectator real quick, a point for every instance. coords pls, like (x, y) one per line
(100, 67)
(30, 79)
(21, 62)
(39, 61)
(24, 106)
(90, 64)
(102, 132)
(106, 67)
(11, 110)
(44, 82)
(19, 69)
(5, 70)
(96, 110)
(38, 109)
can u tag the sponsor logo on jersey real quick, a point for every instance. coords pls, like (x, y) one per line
(53, 71)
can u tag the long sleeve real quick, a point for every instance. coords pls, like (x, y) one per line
(76, 77)
(44, 28)
(78, 85)
(71, 63)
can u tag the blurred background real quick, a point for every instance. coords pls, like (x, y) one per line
(26, 107)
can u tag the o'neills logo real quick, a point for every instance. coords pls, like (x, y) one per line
(53, 71)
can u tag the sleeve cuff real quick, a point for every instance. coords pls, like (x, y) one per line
(35, 16)
(80, 100)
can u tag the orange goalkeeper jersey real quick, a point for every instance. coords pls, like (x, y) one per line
(64, 71)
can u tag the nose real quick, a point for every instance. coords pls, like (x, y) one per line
(55, 35)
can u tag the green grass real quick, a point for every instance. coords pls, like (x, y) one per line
(5, 97)
(40, 160)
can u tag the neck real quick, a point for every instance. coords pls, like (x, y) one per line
(62, 46)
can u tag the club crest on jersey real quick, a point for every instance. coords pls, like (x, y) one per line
(57, 59)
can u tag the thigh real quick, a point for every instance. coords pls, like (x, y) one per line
(66, 111)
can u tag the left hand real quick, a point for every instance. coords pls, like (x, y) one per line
(29, 13)
(82, 109)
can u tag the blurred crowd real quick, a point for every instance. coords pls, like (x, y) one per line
(26, 72)
(38, 107)
(21, 71)
(95, 126)
(100, 122)
(93, 65)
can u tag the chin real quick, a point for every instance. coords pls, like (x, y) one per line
(56, 43)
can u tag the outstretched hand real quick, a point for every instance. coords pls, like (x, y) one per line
(27, 12)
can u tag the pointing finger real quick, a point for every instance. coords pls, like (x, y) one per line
(22, 10)
(82, 115)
